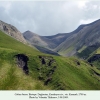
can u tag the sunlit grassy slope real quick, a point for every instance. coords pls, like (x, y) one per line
(70, 74)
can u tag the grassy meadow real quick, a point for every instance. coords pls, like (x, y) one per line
(70, 73)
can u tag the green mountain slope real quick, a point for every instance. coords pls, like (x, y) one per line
(94, 58)
(86, 52)
(46, 72)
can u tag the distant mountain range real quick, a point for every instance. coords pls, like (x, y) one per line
(81, 42)
(68, 44)
(50, 42)
(87, 35)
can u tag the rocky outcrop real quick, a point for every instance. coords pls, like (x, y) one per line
(12, 31)
(22, 60)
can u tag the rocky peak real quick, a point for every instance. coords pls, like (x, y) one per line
(12, 31)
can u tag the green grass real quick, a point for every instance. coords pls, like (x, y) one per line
(67, 76)
(12, 77)
(98, 51)
(80, 50)
(66, 51)
(9, 43)
(75, 76)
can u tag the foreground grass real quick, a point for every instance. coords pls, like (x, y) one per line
(76, 77)
(13, 78)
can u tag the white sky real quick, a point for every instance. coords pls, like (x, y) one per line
(49, 17)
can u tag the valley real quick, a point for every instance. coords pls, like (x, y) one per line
(71, 61)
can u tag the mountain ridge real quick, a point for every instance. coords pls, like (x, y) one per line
(87, 36)
(12, 31)
(62, 43)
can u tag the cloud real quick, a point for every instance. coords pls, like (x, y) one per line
(49, 17)
(82, 4)
(87, 21)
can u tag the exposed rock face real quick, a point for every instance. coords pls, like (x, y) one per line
(12, 31)
(22, 62)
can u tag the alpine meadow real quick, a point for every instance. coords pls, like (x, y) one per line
(42, 71)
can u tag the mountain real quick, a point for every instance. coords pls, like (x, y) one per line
(50, 42)
(42, 43)
(24, 68)
(12, 31)
(35, 39)
(46, 44)
(86, 38)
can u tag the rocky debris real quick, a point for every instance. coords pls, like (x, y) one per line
(5, 28)
(47, 68)
(22, 60)
(94, 58)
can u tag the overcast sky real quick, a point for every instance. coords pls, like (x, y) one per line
(49, 17)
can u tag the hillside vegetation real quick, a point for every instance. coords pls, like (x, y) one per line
(46, 72)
